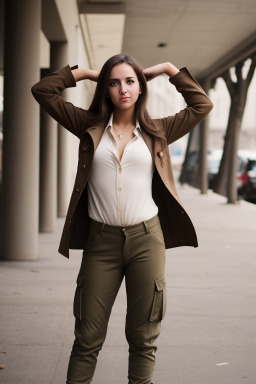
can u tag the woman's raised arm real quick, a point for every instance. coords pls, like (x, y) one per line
(85, 74)
(47, 93)
(198, 103)
(158, 69)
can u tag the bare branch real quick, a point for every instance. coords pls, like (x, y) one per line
(227, 78)
(251, 70)
(213, 83)
(238, 68)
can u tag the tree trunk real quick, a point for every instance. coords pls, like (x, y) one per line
(226, 179)
(203, 148)
(232, 176)
(184, 171)
(221, 185)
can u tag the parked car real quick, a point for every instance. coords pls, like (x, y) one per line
(213, 163)
(246, 171)
(247, 176)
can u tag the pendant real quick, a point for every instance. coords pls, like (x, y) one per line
(120, 135)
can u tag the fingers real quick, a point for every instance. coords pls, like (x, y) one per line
(152, 72)
(148, 76)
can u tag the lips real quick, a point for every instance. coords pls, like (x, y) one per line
(124, 98)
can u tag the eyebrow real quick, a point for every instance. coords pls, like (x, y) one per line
(130, 77)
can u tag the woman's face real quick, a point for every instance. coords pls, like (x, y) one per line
(123, 87)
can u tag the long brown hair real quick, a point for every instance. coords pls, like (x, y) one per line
(101, 106)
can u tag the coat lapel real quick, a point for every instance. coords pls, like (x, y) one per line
(96, 133)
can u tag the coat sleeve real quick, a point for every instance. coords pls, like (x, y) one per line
(198, 106)
(47, 94)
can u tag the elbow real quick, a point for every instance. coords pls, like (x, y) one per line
(35, 92)
(210, 106)
(207, 107)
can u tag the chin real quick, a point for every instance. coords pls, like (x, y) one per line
(125, 106)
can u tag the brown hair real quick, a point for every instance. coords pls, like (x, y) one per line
(101, 106)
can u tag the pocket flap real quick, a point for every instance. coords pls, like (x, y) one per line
(161, 283)
(79, 280)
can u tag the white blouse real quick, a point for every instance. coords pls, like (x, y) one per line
(120, 193)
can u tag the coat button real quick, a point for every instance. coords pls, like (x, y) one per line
(83, 166)
(84, 149)
(182, 212)
(161, 154)
(77, 190)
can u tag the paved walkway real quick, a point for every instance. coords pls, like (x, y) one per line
(208, 335)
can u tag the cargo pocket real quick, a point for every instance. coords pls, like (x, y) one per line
(77, 307)
(159, 302)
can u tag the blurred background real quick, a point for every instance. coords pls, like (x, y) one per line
(215, 40)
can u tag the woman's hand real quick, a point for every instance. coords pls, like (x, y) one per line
(158, 69)
(85, 74)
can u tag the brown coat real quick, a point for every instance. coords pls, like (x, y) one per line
(177, 227)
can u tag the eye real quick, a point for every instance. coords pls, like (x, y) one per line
(113, 83)
(130, 81)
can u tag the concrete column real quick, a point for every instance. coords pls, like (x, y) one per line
(59, 58)
(203, 148)
(21, 130)
(48, 171)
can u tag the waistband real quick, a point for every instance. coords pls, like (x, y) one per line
(143, 226)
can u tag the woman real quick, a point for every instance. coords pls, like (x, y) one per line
(124, 209)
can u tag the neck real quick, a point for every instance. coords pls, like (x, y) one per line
(123, 118)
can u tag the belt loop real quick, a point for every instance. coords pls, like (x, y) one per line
(102, 228)
(146, 227)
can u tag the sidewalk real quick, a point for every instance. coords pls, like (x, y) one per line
(209, 332)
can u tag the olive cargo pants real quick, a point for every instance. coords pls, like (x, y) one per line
(138, 253)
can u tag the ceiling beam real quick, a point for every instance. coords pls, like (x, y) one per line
(101, 8)
(52, 26)
(241, 52)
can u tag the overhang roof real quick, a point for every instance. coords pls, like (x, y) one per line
(204, 35)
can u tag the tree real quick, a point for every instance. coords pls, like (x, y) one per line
(226, 178)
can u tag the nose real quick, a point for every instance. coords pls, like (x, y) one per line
(123, 89)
